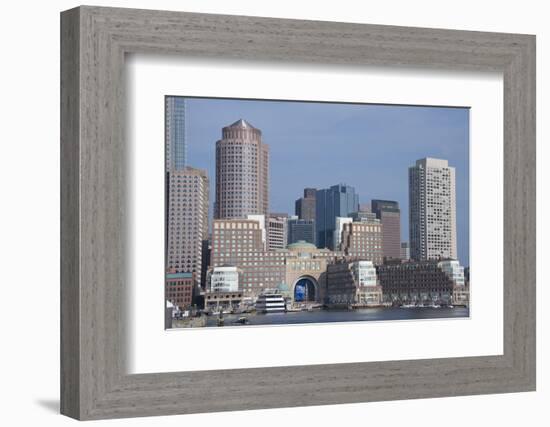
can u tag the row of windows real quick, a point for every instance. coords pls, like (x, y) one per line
(236, 225)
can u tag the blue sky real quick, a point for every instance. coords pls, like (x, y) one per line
(321, 144)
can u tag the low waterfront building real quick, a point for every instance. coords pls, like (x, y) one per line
(421, 282)
(179, 289)
(352, 284)
(224, 279)
(453, 270)
(222, 300)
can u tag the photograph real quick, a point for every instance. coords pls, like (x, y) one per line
(284, 212)
(271, 214)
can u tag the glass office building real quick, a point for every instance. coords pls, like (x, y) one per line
(337, 201)
(176, 146)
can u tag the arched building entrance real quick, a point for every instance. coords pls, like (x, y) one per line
(305, 290)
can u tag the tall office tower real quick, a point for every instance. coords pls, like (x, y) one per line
(389, 214)
(338, 200)
(277, 233)
(176, 147)
(305, 206)
(362, 241)
(242, 172)
(405, 251)
(187, 228)
(432, 210)
(301, 229)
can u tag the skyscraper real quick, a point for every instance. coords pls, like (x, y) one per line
(387, 211)
(176, 147)
(187, 221)
(305, 206)
(432, 210)
(337, 201)
(242, 172)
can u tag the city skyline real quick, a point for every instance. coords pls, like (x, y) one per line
(428, 132)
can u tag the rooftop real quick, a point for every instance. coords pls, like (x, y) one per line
(241, 123)
(430, 162)
(301, 245)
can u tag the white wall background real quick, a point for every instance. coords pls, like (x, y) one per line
(29, 211)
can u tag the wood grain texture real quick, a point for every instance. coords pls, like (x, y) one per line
(70, 220)
(94, 240)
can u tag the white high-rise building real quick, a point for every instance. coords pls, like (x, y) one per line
(432, 210)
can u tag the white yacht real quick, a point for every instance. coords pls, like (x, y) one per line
(271, 301)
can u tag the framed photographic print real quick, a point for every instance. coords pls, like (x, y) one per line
(269, 259)
(288, 213)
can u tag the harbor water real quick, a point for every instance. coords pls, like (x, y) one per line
(324, 316)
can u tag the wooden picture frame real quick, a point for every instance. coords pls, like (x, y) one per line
(94, 41)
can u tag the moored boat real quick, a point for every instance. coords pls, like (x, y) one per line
(271, 302)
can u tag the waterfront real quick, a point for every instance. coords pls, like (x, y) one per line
(323, 316)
